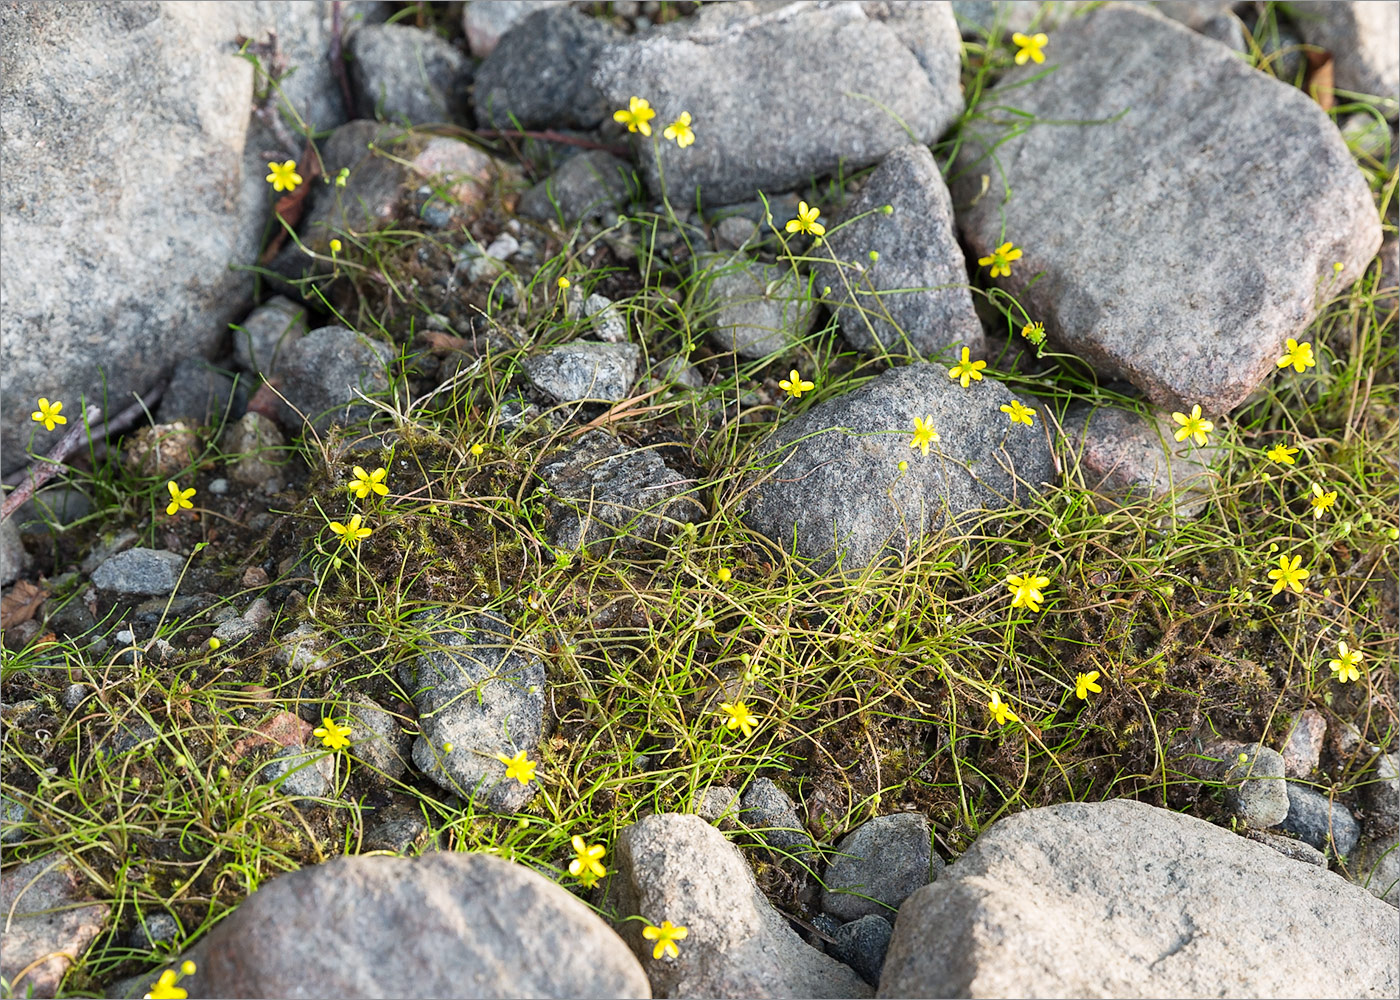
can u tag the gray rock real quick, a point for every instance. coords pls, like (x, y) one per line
(720, 805)
(303, 775)
(1000, 18)
(322, 371)
(485, 22)
(735, 232)
(1388, 275)
(442, 925)
(1167, 316)
(409, 76)
(585, 371)
(1212, 18)
(201, 394)
(1303, 748)
(1178, 907)
(676, 867)
(479, 692)
(1252, 776)
(14, 817)
(377, 738)
(915, 297)
(538, 73)
(1361, 38)
(771, 814)
(55, 505)
(756, 310)
(592, 184)
(47, 924)
(13, 558)
(608, 323)
(862, 945)
(302, 650)
(1377, 868)
(840, 89)
(257, 446)
(400, 831)
(837, 480)
(1125, 455)
(878, 865)
(1288, 847)
(218, 487)
(128, 735)
(260, 339)
(1314, 819)
(600, 489)
(86, 317)
(139, 572)
(75, 694)
(1381, 795)
(152, 930)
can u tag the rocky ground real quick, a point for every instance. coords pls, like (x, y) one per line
(752, 499)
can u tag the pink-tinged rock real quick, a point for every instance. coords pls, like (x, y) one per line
(1304, 744)
(47, 926)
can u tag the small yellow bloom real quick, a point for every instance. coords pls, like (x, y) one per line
(1020, 413)
(1288, 574)
(563, 282)
(967, 370)
(187, 968)
(1321, 502)
(342, 177)
(1034, 332)
(636, 116)
(680, 131)
(1001, 258)
(331, 734)
(723, 574)
(1193, 426)
(1027, 591)
(179, 499)
(214, 643)
(587, 858)
(335, 246)
(478, 450)
(806, 221)
(665, 937)
(447, 747)
(165, 988)
(1300, 356)
(795, 385)
(1282, 454)
(924, 434)
(283, 176)
(739, 717)
(1001, 711)
(366, 483)
(1028, 47)
(1085, 684)
(48, 414)
(1345, 667)
(518, 767)
(350, 534)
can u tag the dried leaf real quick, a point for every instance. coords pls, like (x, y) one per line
(21, 603)
(1320, 80)
(284, 729)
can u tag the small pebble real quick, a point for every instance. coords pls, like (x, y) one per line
(218, 487)
(74, 695)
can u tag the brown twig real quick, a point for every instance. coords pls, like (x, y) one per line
(47, 466)
(338, 60)
(266, 110)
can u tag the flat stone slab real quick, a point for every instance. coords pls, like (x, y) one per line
(1122, 899)
(1183, 235)
(836, 484)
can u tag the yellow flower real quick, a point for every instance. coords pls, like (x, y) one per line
(1020, 413)
(806, 221)
(723, 574)
(1034, 332)
(1282, 454)
(665, 937)
(1193, 426)
(1028, 47)
(587, 858)
(563, 282)
(332, 735)
(967, 370)
(1001, 258)
(1001, 711)
(366, 483)
(214, 643)
(680, 130)
(1300, 356)
(1288, 574)
(518, 767)
(1027, 591)
(1321, 501)
(179, 499)
(794, 385)
(165, 988)
(335, 246)
(350, 534)
(1344, 668)
(478, 450)
(1085, 684)
(48, 414)
(924, 434)
(739, 717)
(447, 747)
(636, 116)
(283, 176)
(187, 968)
